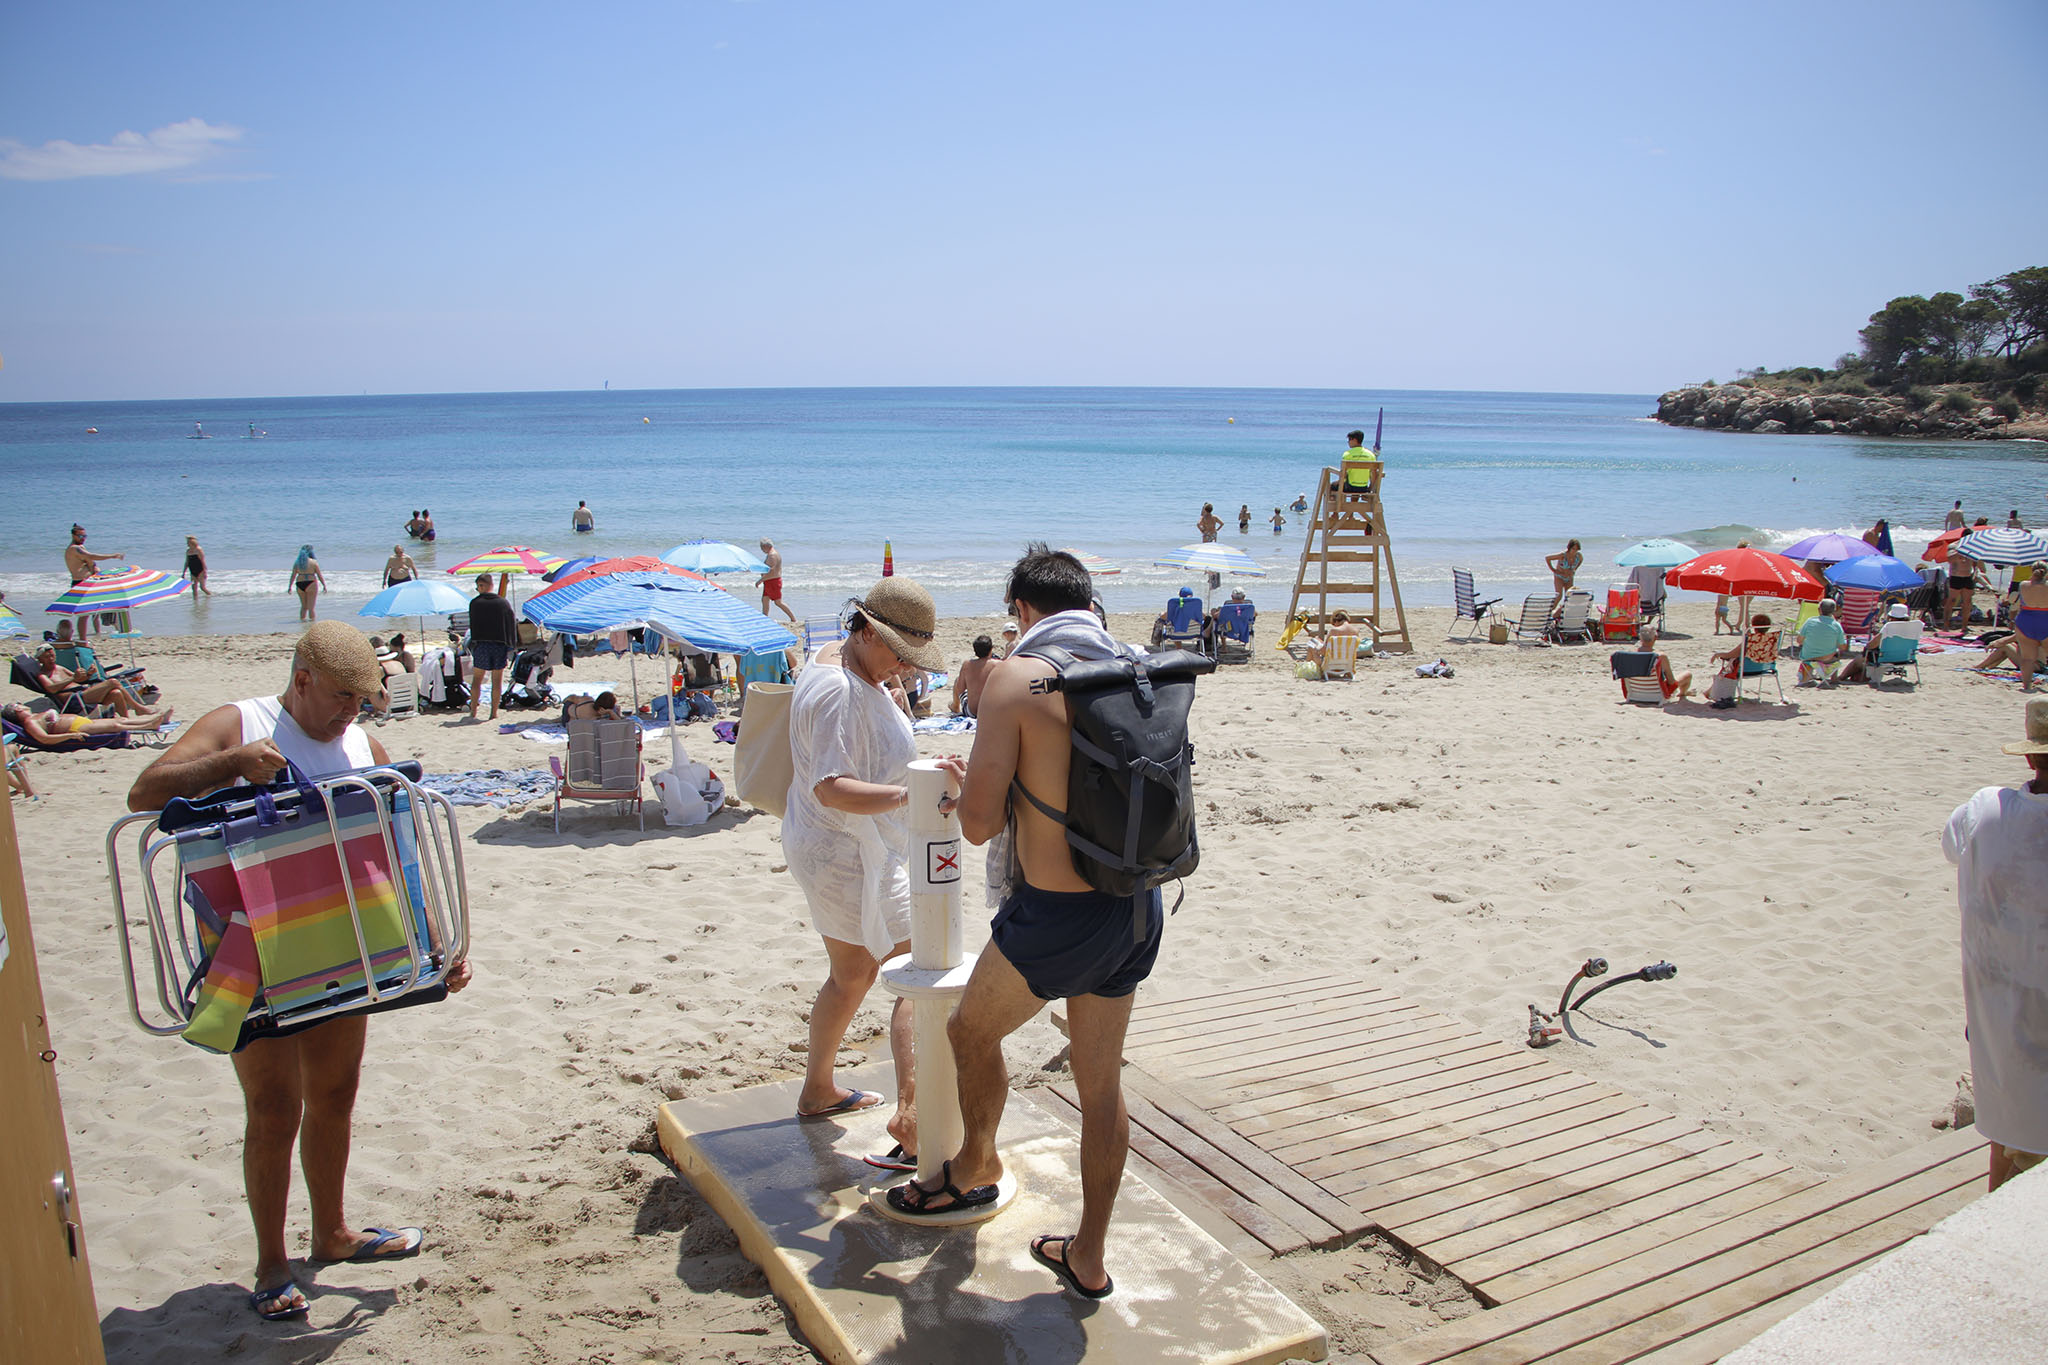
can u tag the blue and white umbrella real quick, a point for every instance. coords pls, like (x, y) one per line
(11, 624)
(1655, 554)
(418, 597)
(570, 566)
(713, 556)
(1212, 557)
(2002, 545)
(1882, 572)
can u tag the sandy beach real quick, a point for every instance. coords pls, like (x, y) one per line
(1463, 841)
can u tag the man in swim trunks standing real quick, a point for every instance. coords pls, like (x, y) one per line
(1054, 938)
(81, 566)
(771, 582)
(400, 567)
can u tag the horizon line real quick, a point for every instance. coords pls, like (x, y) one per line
(828, 388)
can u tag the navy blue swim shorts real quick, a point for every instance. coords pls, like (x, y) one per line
(1067, 943)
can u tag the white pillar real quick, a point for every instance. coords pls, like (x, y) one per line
(932, 977)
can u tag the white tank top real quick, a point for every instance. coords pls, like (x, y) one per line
(266, 718)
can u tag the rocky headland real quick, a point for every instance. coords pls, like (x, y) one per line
(1956, 414)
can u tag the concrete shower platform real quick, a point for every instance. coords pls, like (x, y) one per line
(868, 1289)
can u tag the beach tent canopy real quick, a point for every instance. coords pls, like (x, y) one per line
(1655, 554)
(681, 606)
(713, 556)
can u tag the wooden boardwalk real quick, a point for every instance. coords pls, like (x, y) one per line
(1599, 1228)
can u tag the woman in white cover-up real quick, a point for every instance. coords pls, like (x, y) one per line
(846, 836)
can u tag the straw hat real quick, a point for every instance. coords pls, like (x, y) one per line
(338, 651)
(2036, 741)
(903, 615)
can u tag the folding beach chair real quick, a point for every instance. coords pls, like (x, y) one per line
(820, 631)
(604, 765)
(1858, 611)
(1623, 617)
(1535, 620)
(1649, 583)
(1470, 608)
(23, 674)
(270, 908)
(1897, 650)
(1340, 657)
(1759, 661)
(1184, 625)
(1234, 632)
(1574, 618)
(404, 691)
(1637, 672)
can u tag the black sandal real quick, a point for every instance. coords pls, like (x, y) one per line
(915, 1200)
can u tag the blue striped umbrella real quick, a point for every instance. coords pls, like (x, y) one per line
(11, 623)
(1212, 557)
(2002, 545)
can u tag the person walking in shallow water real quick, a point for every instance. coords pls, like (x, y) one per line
(306, 580)
(195, 565)
(771, 581)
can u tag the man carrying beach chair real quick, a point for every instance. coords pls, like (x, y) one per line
(302, 1085)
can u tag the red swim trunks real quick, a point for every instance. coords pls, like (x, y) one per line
(771, 589)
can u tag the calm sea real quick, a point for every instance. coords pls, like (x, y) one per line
(956, 479)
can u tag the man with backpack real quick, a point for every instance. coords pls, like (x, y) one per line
(1057, 936)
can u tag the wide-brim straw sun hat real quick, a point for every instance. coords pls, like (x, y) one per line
(902, 613)
(2036, 741)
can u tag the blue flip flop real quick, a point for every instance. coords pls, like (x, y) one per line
(854, 1102)
(381, 1238)
(265, 1303)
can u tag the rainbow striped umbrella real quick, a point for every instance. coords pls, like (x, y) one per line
(1096, 565)
(125, 588)
(511, 559)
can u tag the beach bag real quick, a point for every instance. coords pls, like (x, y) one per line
(264, 884)
(1130, 816)
(762, 767)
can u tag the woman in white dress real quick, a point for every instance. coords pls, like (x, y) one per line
(846, 836)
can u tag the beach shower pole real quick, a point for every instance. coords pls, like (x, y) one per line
(932, 978)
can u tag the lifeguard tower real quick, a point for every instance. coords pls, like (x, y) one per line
(1347, 561)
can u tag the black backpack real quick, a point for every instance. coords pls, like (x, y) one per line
(1130, 813)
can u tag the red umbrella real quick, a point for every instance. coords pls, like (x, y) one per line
(1938, 548)
(1745, 572)
(629, 564)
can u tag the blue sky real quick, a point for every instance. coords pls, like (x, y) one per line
(230, 200)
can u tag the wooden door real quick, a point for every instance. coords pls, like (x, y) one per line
(47, 1312)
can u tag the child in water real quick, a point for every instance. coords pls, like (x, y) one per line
(1278, 521)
